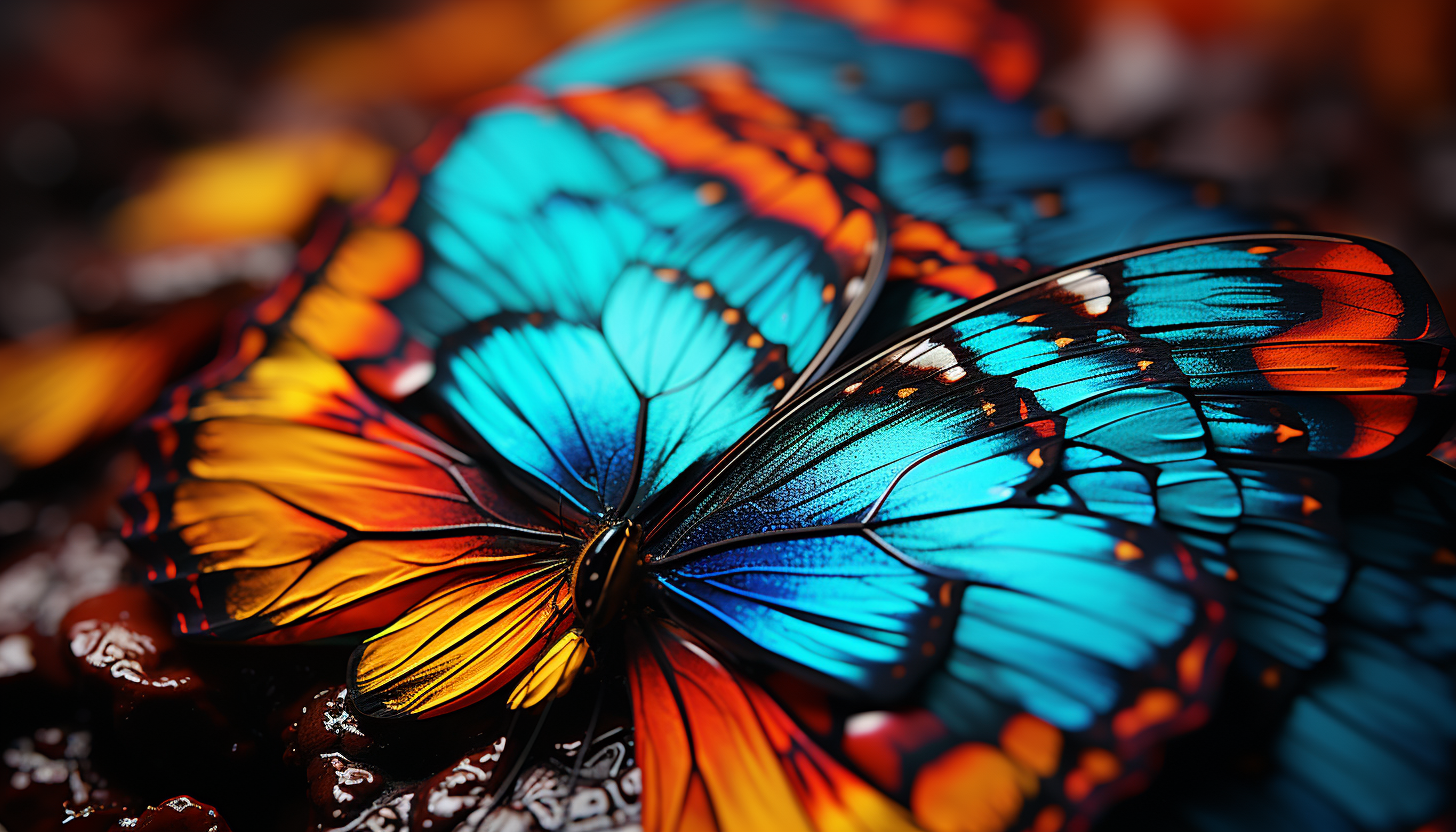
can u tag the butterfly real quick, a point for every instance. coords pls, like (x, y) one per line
(570, 402)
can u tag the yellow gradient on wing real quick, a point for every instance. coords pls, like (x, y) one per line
(466, 640)
(553, 673)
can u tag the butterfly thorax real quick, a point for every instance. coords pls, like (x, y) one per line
(605, 573)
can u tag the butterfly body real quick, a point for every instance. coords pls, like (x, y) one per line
(605, 574)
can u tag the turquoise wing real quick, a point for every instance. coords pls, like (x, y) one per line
(618, 284)
(1052, 454)
(982, 190)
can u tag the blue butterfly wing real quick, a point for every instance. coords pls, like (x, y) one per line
(604, 318)
(1048, 453)
(1364, 738)
(1001, 182)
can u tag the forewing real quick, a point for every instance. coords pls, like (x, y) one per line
(616, 285)
(279, 500)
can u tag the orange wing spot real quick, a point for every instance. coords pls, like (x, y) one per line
(730, 89)
(667, 275)
(377, 263)
(852, 241)
(271, 308)
(906, 392)
(796, 145)
(711, 193)
(903, 267)
(1096, 766)
(956, 159)
(1190, 664)
(1284, 433)
(1215, 612)
(878, 741)
(853, 157)
(732, 316)
(1035, 458)
(1154, 706)
(916, 116)
(1049, 819)
(810, 202)
(178, 409)
(755, 341)
(1144, 365)
(1024, 411)
(1378, 420)
(1127, 551)
(918, 235)
(691, 139)
(779, 383)
(166, 438)
(1230, 573)
(1101, 765)
(945, 593)
(1062, 342)
(930, 266)
(967, 281)
(345, 326)
(1332, 367)
(1353, 307)
(1052, 120)
(853, 387)
(1444, 556)
(703, 290)
(1029, 319)
(1309, 505)
(828, 294)
(988, 408)
(1262, 250)
(1348, 257)
(1032, 742)
(970, 788)
(1002, 44)
(393, 205)
(1270, 677)
(1047, 204)
(1046, 428)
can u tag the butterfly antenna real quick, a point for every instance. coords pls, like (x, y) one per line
(586, 743)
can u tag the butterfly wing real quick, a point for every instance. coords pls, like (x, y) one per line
(981, 190)
(79, 390)
(1362, 739)
(718, 752)
(281, 502)
(1072, 454)
(663, 268)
